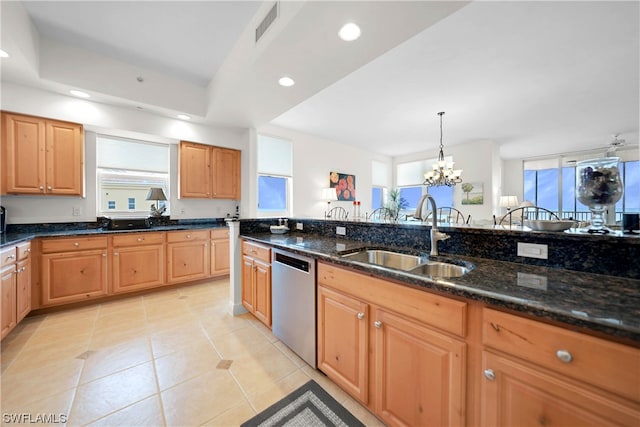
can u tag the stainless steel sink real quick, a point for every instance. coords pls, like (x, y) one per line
(440, 269)
(395, 260)
(414, 264)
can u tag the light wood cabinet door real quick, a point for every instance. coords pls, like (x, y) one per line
(343, 341)
(74, 276)
(262, 286)
(64, 158)
(188, 261)
(195, 170)
(138, 267)
(419, 373)
(518, 394)
(8, 316)
(248, 285)
(220, 263)
(226, 173)
(23, 145)
(23, 289)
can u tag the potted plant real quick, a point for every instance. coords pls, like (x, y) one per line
(396, 204)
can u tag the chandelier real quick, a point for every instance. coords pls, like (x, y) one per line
(443, 172)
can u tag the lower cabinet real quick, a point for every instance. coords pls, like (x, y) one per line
(405, 370)
(539, 374)
(23, 289)
(74, 276)
(138, 261)
(256, 281)
(15, 286)
(188, 255)
(8, 313)
(220, 262)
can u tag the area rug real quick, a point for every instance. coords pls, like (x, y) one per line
(308, 406)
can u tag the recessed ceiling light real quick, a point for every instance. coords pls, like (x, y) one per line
(349, 32)
(79, 93)
(183, 117)
(286, 81)
(3, 54)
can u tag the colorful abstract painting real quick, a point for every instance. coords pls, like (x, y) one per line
(345, 185)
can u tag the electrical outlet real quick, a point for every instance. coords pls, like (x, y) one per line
(341, 231)
(182, 211)
(532, 250)
(299, 226)
(533, 281)
(77, 211)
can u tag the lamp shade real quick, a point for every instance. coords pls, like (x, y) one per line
(329, 194)
(508, 201)
(156, 193)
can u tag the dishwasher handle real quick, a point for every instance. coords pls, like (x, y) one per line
(296, 263)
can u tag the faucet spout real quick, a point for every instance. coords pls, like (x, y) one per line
(435, 235)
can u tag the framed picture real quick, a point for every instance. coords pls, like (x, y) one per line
(345, 185)
(473, 194)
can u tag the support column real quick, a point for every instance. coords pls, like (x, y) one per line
(235, 265)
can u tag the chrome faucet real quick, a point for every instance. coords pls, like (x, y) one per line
(435, 235)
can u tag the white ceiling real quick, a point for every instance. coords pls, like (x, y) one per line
(536, 77)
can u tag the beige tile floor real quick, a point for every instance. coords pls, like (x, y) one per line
(152, 360)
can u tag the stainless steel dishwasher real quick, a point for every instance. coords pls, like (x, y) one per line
(293, 303)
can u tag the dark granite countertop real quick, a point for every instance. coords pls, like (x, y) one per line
(603, 304)
(14, 238)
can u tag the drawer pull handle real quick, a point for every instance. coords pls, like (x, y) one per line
(49, 188)
(76, 244)
(140, 239)
(11, 257)
(489, 374)
(564, 356)
(41, 188)
(28, 250)
(360, 316)
(377, 324)
(188, 236)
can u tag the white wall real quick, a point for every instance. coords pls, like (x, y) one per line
(480, 162)
(313, 159)
(123, 122)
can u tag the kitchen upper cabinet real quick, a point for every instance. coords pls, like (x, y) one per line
(42, 156)
(226, 173)
(208, 172)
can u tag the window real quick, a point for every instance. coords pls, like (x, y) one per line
(409, 179)
(377, 197)
(275, 168)
(550, 183)
(126, 169)
(379, 184)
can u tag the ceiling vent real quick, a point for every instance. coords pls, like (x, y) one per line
(267, 21)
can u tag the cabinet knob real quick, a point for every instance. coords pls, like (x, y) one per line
(41, 188)
(49, 188)
(140, 239)
(115, 254)
(360, 315)
(11, 257)
(188, 236)
(76, 244)
(377, 324)
(28, 250)
(564, 356)
(489, 374)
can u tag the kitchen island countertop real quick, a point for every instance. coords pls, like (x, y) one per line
(605, 305)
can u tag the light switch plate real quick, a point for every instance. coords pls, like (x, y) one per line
(341, 231)
(532, 250)
(299, 226)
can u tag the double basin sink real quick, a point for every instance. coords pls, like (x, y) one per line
(421, 265)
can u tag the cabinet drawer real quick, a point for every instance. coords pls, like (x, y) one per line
(611, 366)
(73, 244)
(220, 233)
(136, 239)
(24, 251)
(8, 255)
(437, 311)
(256, 251)
(187, 235)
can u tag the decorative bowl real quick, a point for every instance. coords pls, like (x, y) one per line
(279, 229)
(549, 224)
